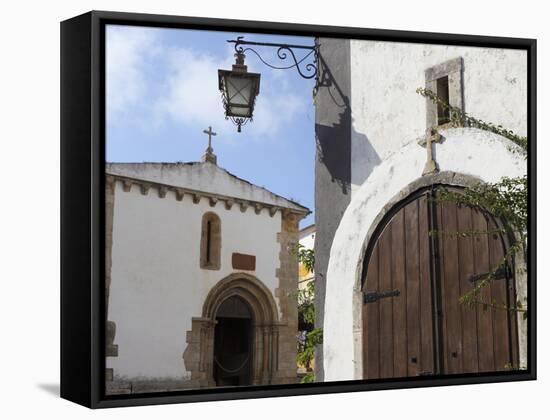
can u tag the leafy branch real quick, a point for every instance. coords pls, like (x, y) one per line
(505, 200)
(459, 118)
(309, 338)
(466, 233)
(306, 257)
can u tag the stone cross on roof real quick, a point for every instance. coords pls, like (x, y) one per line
(209, 155)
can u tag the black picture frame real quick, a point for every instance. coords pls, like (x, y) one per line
(82, 207)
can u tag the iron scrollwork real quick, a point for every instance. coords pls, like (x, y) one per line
(285, 51)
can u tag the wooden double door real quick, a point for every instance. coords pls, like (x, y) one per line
(416, 272)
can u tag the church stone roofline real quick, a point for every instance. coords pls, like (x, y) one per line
(213, 198)
(175, 171)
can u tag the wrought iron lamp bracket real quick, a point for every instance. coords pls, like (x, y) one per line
(307, 66)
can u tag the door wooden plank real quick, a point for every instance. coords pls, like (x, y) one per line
(386, 305)
(399, 303)
(468, 312)
(371, 322)
(514, 325)
(439, 257)
(501, 328)
(513, 317)
(450, 286)
(412, 270)
(486, 358)
(425, 287)
(399, 333)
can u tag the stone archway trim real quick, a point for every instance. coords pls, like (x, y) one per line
(242, 283)
(199, 353)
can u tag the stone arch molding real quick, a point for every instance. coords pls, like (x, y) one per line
(199, 353)
(465, 157)
(248, 287)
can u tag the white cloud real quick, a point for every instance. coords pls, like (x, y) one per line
(192, 96)
(128, 50)
(187, 92)
(273, 111)
(190, 93)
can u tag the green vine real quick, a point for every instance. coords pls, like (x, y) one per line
(306, 257)
(311, 337)
(459, 118)
(506, 200)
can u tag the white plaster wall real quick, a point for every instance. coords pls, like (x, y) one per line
(201, 176)
(468, 151)
(387, 112)
(308, 239)
(157, 285)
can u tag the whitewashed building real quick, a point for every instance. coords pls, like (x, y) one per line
(200, 278)
(384, 311)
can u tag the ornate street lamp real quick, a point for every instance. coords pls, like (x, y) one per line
(239, 90)
(239, 87)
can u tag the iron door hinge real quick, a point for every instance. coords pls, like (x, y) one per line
(370, 297)
(501, 273)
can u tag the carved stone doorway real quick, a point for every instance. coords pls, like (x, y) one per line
(239, 305)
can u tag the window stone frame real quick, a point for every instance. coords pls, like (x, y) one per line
(215, 241)
(454, 70)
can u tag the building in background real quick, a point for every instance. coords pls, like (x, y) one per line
(307, 240)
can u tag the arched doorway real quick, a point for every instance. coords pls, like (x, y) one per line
(240, 305)
(233, 343)
(413, 278)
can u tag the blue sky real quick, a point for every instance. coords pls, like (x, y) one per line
(162, 92)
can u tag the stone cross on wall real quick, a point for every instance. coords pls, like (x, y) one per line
(432, 136)
(209, 155)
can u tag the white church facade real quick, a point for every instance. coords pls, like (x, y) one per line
(200, 278)
(387, 294)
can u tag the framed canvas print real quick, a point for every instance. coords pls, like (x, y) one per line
(255, 209)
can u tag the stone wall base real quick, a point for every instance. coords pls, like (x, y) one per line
(139, 386)
(120, 386)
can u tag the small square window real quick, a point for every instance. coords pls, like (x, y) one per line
(442, 92)
(446, 81)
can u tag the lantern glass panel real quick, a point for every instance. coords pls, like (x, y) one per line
(239, 111)
(239, 90)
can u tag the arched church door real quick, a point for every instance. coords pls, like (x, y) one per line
(413, 321)
(233, 343)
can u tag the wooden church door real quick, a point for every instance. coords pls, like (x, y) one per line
(413, 321)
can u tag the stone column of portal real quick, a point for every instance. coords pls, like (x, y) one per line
(283, 351)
